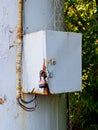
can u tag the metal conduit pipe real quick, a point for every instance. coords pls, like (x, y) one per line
(19, 46)
(19, 49)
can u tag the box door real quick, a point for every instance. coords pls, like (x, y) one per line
(64, 48)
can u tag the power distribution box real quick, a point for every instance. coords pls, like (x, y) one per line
(62, 54)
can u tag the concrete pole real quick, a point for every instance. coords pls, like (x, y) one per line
(54, 20)
(50, 113)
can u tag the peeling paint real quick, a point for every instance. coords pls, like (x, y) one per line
(19, 48)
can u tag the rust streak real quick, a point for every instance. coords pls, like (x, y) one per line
(44, 64)
(1, 100)
(43, 91)
(19, 48)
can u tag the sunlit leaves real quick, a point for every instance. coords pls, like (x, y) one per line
(82, 16)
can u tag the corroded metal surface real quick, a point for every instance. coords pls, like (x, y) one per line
(19, 48)
(1, 100)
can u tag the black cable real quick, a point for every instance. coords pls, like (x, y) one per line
(24, 107)
(29, 109)
(27, 102)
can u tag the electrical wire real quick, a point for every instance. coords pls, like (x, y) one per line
(21, 103)
(29, 109)
(27, 102)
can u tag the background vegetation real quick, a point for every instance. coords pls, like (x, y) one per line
(82, 16)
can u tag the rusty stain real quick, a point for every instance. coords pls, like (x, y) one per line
(44, 64)
(19, 48)
(41, 91)
(1, 100)
(44, 91)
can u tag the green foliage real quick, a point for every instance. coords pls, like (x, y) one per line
(82, 16)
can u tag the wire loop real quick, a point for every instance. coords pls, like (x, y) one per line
(21, 103)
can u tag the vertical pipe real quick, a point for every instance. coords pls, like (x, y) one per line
(19, 49)
(20, 101)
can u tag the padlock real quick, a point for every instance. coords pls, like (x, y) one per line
(43, 83)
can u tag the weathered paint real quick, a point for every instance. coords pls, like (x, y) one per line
(50, 112)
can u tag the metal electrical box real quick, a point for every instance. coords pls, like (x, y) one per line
(62, 54)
